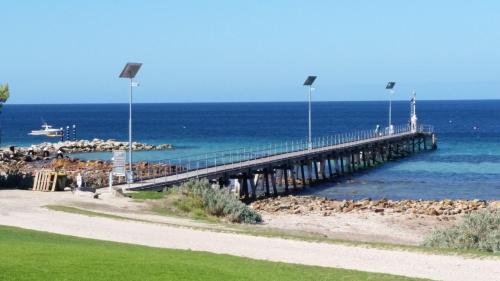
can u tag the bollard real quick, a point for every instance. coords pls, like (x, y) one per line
(74, 132)
(79, 181)
(111, 181)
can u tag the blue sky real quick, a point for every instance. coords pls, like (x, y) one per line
(203, 51)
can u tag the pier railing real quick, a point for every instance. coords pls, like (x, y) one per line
(236, 157)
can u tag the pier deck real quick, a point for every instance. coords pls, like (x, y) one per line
(332, 157)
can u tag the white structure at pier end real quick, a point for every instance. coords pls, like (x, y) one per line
(413, 113)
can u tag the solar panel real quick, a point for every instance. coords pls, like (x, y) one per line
(390, 85)
(130, 70)
(310, 80)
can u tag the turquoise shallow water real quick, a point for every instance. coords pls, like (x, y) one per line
(466, 164)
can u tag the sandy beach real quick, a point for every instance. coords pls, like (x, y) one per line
(26, 209)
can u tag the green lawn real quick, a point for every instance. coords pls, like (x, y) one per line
(146, 195)
(33, 255)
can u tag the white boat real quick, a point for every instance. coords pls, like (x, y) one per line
(46, 131)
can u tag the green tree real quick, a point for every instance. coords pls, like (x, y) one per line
(4, 93)
(4, 96)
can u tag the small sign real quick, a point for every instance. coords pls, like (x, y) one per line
(119, 160)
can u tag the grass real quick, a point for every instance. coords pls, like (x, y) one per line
(74, 210)
(477, 231)
(175, 204)
(285, 234)
(178, 205)
(218, 202)
(146, 195)
(198, 200)
(33, 255)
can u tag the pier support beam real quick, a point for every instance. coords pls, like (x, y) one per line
(294, 175)
(353, 162)
(285, 174)
(273, 182)
(330, 174)
(315, 167)
(310, 172)
(245, 186)
(303, 175)
(342, 164)
(253, 186)
(266, 180)
(322, 168)
(336, 165)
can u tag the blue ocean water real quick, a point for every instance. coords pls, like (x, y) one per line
(466, 164)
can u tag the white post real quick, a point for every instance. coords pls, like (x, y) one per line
(391, 128)
(111, 181)
(413, 113)
(130, 176)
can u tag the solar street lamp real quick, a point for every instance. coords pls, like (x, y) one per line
(129, 71)
(309, 81)
(390, 89)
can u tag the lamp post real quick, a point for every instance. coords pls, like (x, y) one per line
(309, 81)
(390, 89)
(129, 71)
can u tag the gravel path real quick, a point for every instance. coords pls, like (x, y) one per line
(17, 210)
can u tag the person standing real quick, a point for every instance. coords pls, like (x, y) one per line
(46, 152)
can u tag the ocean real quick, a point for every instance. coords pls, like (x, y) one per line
(466, 164)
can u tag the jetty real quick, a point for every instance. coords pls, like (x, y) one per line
(279, 168)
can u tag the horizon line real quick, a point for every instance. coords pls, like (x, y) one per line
(213, 102)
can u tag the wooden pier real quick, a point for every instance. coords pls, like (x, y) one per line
(280, 169)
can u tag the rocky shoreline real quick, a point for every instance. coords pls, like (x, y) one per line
(95, 145)
(304, 205)
(18, 165)
(95, 173)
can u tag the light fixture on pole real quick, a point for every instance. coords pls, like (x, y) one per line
(129, 71)
(390, 89)
(309, 81)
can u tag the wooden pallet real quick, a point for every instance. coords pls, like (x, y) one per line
(45, 181)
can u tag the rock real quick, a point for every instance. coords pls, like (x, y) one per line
(432, 212)
(319, 205)
(90, 146)
(87, 194)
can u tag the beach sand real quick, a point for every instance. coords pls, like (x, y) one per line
(26, 209)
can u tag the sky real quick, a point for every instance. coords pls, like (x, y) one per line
(232, 51)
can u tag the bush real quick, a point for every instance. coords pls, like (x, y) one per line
(479, 230)
(16, 180)
(220, 202)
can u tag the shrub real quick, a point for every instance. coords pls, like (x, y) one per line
(15, 179)
(479, 230)
(220, 202)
